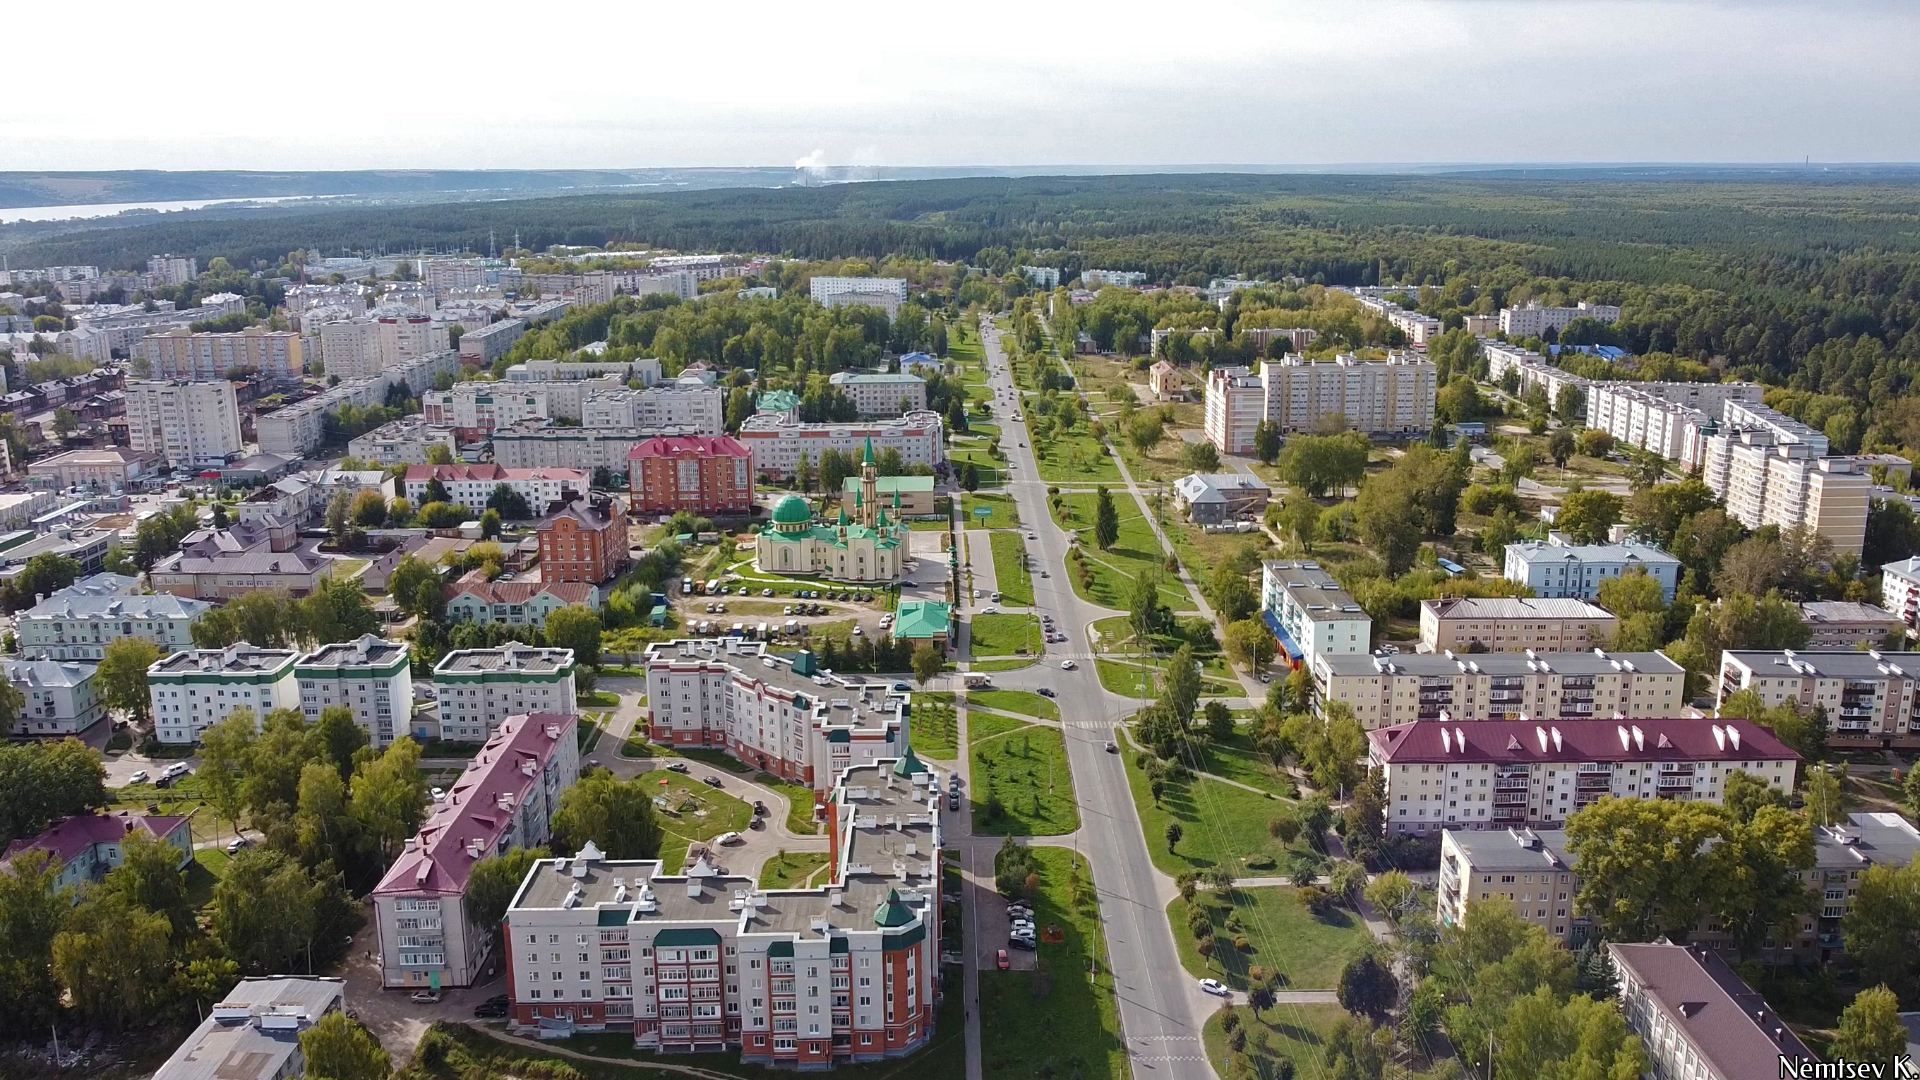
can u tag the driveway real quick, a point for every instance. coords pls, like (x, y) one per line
(392, 1015)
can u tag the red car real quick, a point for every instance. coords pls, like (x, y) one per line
(1001, 959)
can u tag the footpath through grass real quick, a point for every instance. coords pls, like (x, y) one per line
(1022, 785)
(1307, 949)
(1221, 825)
(1010, 569)
(1134, 553)
(1056, 1021)
(1024, 702)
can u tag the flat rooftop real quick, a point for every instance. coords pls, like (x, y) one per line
(1315, 590)
(1514, 849)
(1596, 662)
(508, 658)
(238, 659)
(1825, 663)
(364, 651)
(251, 1033)
(837, 700)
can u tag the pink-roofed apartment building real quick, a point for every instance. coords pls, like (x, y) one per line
(504, 800)
(88, 846)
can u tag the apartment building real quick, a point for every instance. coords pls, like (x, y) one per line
(504, 799)
(1531, 371)
(1500, 774)
(699, 961)
(483, 345)
(479, 688)
(776, 441)
(1125, 279)
(58, 698)
(884, 293)
(1395, 395)
(109, 469)
(541, 371)
(472, 485)
(302, 426)
(91, 846)
(1535, 320)
(1900, 590)
(182, 354)
(172, 269)
(1869, 697)
(881, 394)
(1840, 624)
(1309, 613)
(516, 603)
(1774, 470)
(473, 410)
(188, 423)
(1556, 568)
(194, 689)
(541, 445)
(402, 442)
(697, 474)
(585, 540)
(1498, 624)
(371, 676)
(1236, 402)
(79, 622)
(1387, 690)
(256, 1027)
(1672, 419)
(1698, 1019)
(777, 713)
(697, 410)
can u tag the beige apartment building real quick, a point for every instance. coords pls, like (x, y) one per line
(1236, 403)
(1392, 395)
(1870, 698)
(182, 354)
(1774, 470)
(1842, 624)
(1386, 690)
(1513, 624)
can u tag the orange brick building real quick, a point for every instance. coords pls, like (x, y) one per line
(700, 474)
(584, 539)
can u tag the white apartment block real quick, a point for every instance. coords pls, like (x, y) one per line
(402, 442)
(350, 348)
(777, 442)
(221, 305)
(483, 345)
(824, 289)
(1533, 320)
(1503, 774)
(472, 485)
(58, 698)
(194, 689)
(1236, 402)
(799, 978)
(1387, 690)
(695, 410)
(1531, 369)
(479, 688)
(1774, 470)
(1869, 697)
(881, 394)
(1393, 395)
(539, 445)
(301, 427)
(475, 409)
(1842, 624)
(777, 713)
(1125, 279)
(542, 371)
(1556, 568)
(1042, 277)
(1900, 590)
(1669, 419)
(188, 423)
(78, 623)
(444, 275)
(503, 800)
(182, 354)
(1310, 614)
(172, 269)
(371, 676)
(1420, 329)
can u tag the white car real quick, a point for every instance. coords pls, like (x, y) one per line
(1067, 665)
(731, 838)
(139, 777)
(1215, 987)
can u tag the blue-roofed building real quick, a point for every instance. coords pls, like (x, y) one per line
(1309, 613)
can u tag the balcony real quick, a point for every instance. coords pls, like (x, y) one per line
(1676, 783)
(1510, 783)
(1510, 798)
(1509, 813)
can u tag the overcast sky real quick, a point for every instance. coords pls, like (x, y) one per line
(585, 84)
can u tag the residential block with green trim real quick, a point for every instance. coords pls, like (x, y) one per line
(800, 978)
(478, 688)
(194, 689)
(371, 676)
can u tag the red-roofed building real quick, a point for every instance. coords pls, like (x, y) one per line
(517, 603)
(471, 485)
(504, 800)
(1500, 774)
(698, 474)
(88, 846)
(583, 540)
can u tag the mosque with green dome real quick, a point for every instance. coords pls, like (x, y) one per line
(868, 547)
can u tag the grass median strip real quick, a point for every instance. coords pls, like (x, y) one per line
(1010, 569)
(1022, 785)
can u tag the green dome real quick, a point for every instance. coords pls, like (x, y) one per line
(792, 510)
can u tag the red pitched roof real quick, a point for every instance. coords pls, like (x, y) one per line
(701, 445)
(1522, 742)
(519, 592)
(68, 839)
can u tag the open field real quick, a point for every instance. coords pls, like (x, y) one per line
(1308, 949)
(1021, 783)
(1135, 552)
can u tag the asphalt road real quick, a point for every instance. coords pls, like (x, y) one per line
(1161, 1008)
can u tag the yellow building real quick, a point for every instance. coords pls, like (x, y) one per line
(866, 547)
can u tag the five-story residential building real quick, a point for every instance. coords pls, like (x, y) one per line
(371, 676)
(1386, 690)
(1310, 613)
(194, 689)
(479, 688)
(1869, 698)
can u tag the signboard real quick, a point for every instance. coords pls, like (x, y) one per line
(983, 512)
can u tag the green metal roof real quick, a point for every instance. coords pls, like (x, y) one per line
(907, 764)
(697, 935)
(892, 912)
(778, 401)
(613, 916)
(792, 510)
(780, 948)
(923, 619)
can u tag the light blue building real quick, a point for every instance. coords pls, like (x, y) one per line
(1555, 568)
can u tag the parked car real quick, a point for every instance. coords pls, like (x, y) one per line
(1067, 665)
(1026, 944)
(1046, 691)
(1112, 748)
(1215, 987)
(139, 777)
(759, 808)
(426, 997)
(677, 766)
(1000, 959)
(953, 802)
(238, 844)
(712, 781)
(731, 838)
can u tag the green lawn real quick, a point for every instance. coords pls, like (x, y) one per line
(1024, 702)
(984, 726)
(1122, 676)
(208, 867)
(1003, 665)
(1076, 458)
(1200, 551)
(1293, 1034)
(1010, 569)
(1221, 825)
(1054, 1022)
(1002, 512)
(791, 869)
(694, 813)
(1136, 551)
(935, 726)
(992, 470)
(1309, 950)
(1022, 785)
(1236, 759)
(799, 802)
(1005, 635)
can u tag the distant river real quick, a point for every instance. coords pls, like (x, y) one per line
(99, 210)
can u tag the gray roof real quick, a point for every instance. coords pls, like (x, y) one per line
(1866, 840)
(67, 604)
(1540, 551)
(844, 378)
(239, 658)
(1514, 607)
(1825, 663)
(1207, 487)
(509, 657)
(46, 673)
(1844, 611)
(364, 651)
(1596, 662)
(836, 700)
(1498, 850)
(1319, 595)
(1726, 1020)
(251, 1034)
